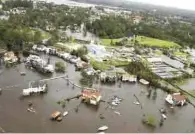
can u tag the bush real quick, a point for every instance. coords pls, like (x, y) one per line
(142, 71)
(86, 80)
(79, 52)
(84, 58)
(60, 66)
(149, 120)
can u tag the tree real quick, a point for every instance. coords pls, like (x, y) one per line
(37, 36)
(18, 3)
(84, 32)
(80, 52)
(111, 42)
(149, 120)
(60, 66)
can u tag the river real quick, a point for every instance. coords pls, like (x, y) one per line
(15, 117)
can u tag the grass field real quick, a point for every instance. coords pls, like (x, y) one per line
(152, 42)
(107, 42)
(181, 54)
(107, 64)
(45, 35)
(158, 53)
(115, 62)
(99, 65)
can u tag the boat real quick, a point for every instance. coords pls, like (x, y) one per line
(55, 115)
(22, 73)
(65, 113)
(101, 133)
(103, 128)
(136, 103)
(116, 112)
(114, 104)
(59, 118)
(31, 110)
(144, 81)
(164, 116)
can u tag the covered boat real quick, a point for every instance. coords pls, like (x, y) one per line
(143, 81)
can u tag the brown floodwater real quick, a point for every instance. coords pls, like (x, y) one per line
(14, 116)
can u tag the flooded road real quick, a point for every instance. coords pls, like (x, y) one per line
(14, 116)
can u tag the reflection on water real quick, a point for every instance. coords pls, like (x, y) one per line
(189, 84)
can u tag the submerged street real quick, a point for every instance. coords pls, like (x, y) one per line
(15, 117)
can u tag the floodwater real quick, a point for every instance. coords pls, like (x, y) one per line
(188, 84)
(14, 116)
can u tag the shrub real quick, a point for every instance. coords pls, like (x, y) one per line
(84, 58)
(149, 120)
(86, 80)
(60, 66)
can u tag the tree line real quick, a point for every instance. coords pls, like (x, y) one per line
(119, 27)
(110, 27)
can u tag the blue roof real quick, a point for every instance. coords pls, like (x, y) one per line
(130, 35)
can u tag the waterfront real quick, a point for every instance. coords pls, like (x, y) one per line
(15, 117)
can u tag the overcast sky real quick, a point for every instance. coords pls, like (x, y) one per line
(184, 4)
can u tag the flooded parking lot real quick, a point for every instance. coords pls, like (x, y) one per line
(15, 117)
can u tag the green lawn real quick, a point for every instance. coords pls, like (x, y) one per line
(180, 54)
(158, 53)
(152, 42)
(115, 62)
(107, 42)
(99, 65)
(45, 35)
(107, 64)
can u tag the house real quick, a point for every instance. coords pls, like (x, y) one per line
(90, 71)
(176, 99)
(91, 96)
(18, 10)
(189, 71)
(50, 28)
(29, 91)
(81, 65)
(103, 76)
(97, 51)
(39, 64)
(154, 59)
(10, 58)
(4, 17)
(137, 19)
(129, 78)
(108, 76)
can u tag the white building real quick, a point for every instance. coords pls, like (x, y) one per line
(154, 59)
(1, 6)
